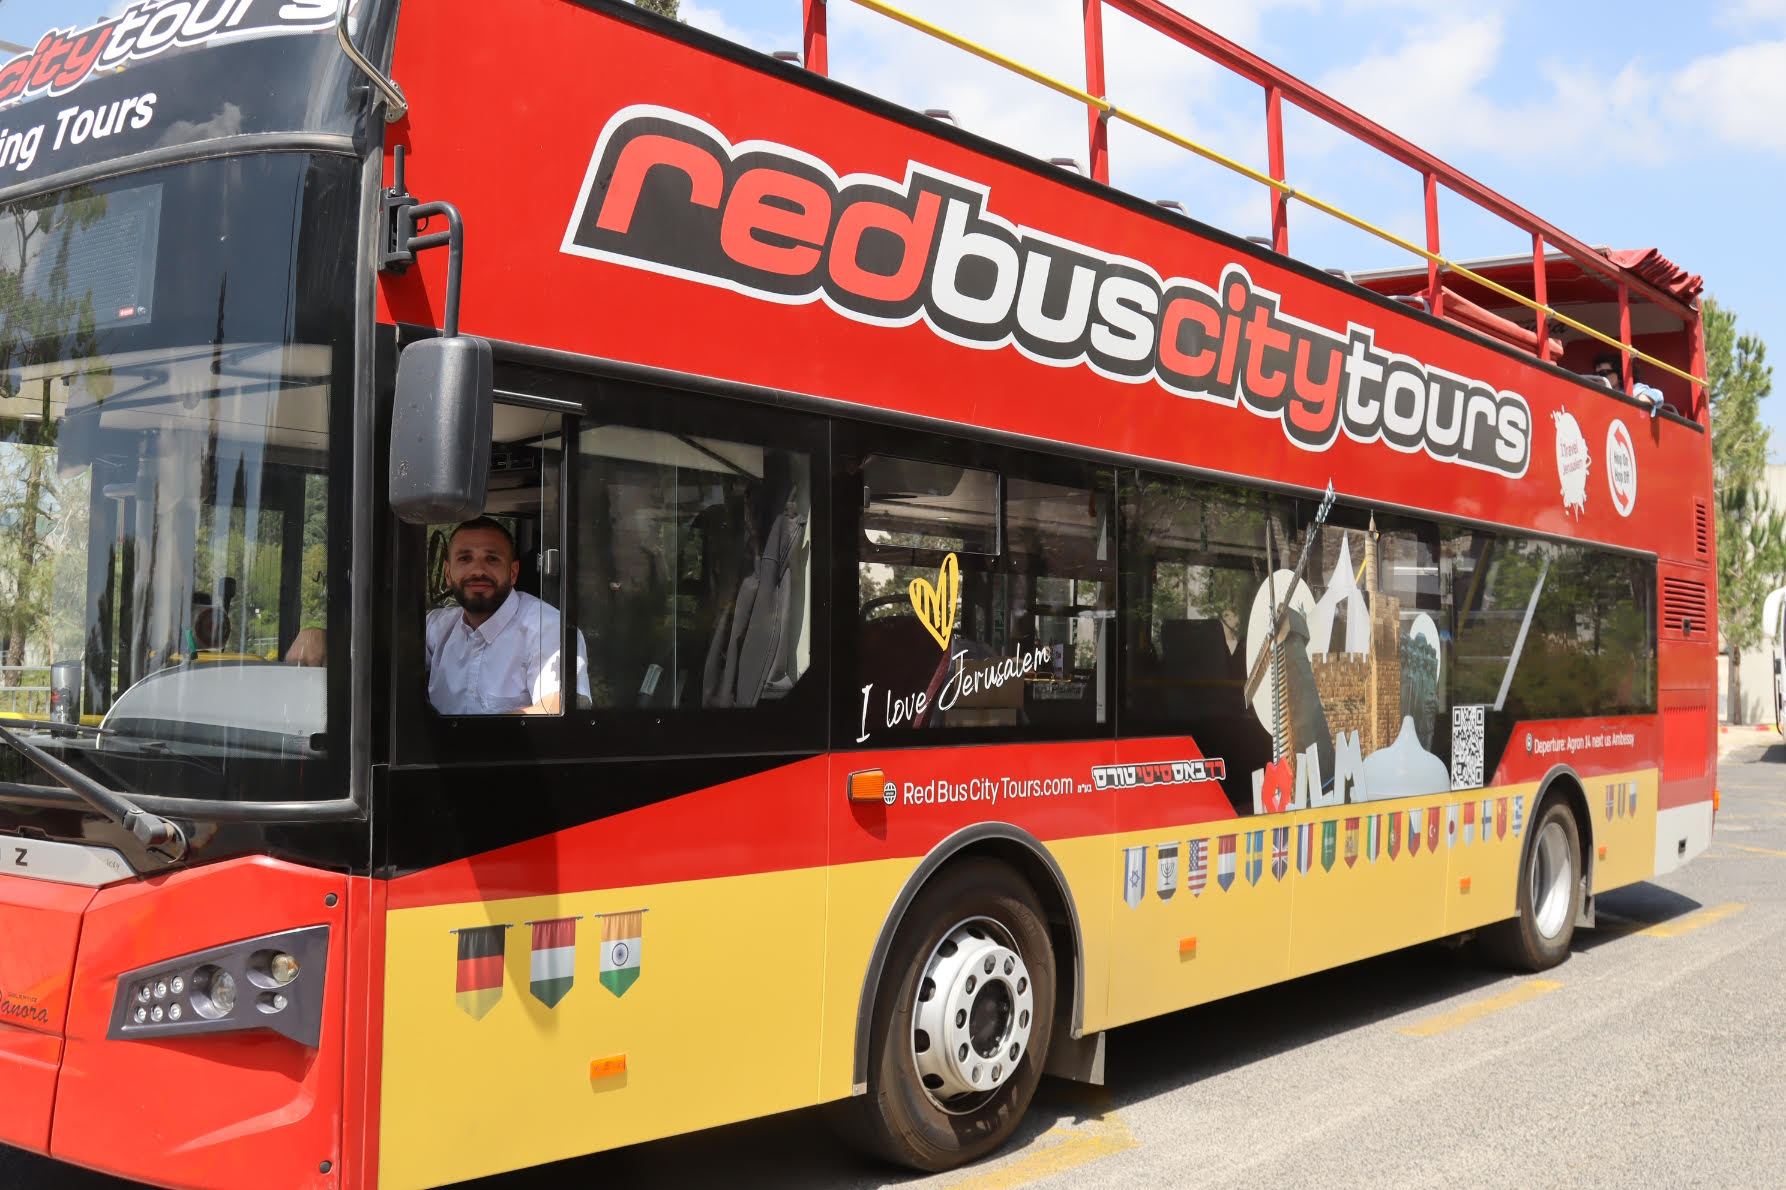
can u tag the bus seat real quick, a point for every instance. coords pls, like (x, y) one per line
(753, 652)
(787, 667)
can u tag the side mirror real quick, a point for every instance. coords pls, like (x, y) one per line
(440, 430)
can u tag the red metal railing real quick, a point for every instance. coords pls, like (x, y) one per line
(1280, 87)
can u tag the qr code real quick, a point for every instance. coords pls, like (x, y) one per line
(1466, 746)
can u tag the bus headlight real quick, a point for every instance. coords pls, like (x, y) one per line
(203, 992)
(283, 968)
(213, 992)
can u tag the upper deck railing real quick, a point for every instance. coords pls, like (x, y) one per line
(1279, 88)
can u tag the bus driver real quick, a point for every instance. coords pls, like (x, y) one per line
(497, 652)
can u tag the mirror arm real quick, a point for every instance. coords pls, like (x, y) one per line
(395, 105)
(404, 217)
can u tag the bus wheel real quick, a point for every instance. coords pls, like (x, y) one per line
(1549, 895)
(961, 1024)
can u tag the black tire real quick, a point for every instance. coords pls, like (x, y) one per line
(901, 1120)
(1523, 942)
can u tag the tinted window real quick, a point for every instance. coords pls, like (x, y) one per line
(1195, 565)
(694, 568)
(1339, 684)
(984, 596)
(1551, 630)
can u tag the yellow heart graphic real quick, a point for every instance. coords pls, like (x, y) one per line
(936, 605)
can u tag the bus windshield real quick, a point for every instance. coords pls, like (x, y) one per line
(170, 344)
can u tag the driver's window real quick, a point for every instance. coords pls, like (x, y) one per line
(494, 631)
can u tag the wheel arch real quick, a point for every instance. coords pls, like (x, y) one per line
(1032, 860)
(1563, 783)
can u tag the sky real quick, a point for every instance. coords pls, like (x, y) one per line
(1627, 123)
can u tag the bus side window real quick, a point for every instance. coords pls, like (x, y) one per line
(984, 598)
(1195, 560)
(1552, 630)
(694, 580)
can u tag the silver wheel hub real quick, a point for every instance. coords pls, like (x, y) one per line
(1553, 880)
(974, 1012)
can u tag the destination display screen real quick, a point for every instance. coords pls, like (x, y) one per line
(93, 248)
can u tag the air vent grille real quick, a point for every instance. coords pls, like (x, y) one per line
(1684, 607)
(1702, 529)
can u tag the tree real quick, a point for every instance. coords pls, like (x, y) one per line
(1751, 532)
(663, 8)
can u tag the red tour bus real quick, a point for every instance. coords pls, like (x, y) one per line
(1003, 608)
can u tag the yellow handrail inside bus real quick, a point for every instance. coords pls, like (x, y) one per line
(1111, 111)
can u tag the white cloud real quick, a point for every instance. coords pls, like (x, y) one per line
(1753, 12)
(1739, 94)
(1433, 89)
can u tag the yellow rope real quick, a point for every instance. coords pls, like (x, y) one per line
(1111, 111)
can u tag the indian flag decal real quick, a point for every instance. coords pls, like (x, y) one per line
(554, 959)
(479, 983)
(622, 934)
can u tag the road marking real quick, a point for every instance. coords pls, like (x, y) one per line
(1684, 925)
(1102, 1136)
(1531, 989)
(1756, 850)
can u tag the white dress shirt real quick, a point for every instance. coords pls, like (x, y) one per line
(507, 663)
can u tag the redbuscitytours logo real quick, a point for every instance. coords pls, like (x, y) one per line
(667, 193)
(64, 59)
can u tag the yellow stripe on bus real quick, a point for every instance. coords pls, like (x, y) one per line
(748, 987)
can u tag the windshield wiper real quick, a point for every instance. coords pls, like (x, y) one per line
(157, 833)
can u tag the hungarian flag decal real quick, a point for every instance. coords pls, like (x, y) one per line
(479, 983)
(554, 959)
(622, 934)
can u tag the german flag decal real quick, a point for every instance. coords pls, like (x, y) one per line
(479, 984)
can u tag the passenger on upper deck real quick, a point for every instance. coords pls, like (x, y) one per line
(498, 652)
(1606, 370)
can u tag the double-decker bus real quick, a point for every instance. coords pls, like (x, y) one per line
(1004, 607)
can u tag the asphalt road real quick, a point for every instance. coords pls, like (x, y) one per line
(1655, 1056)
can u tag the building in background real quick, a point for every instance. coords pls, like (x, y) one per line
(1755, 678)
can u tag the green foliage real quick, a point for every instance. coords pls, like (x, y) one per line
(663, 8)
(1751, 532)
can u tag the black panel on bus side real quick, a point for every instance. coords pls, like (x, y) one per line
(429, 817)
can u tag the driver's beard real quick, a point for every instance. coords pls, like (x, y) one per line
(481, 605)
